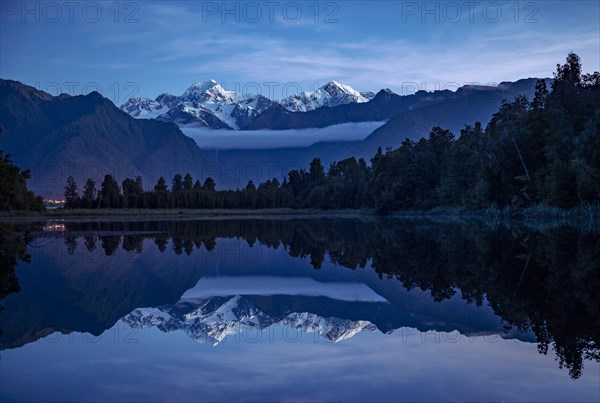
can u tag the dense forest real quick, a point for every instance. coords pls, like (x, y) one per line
(544, 151)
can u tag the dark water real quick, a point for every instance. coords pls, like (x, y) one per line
(319, 309)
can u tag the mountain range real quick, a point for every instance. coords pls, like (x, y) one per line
(252, 318)
(211, 321)
(88, 136)
(208, 104)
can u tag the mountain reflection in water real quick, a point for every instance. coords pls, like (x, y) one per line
(217, 278)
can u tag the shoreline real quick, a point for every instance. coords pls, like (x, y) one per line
(585, 213)
(180, 213)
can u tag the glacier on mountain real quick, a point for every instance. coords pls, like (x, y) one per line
(208, 104)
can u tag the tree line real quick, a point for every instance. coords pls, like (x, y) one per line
(543, 151)
(182, 192)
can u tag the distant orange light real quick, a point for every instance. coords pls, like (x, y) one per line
(54, 227)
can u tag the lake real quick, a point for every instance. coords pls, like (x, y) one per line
(311, 308)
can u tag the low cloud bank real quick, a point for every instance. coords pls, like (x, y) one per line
(208, 287)
(265, 139)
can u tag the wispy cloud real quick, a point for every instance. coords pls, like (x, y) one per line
(371, 65)
(222, 51)
(174, 44)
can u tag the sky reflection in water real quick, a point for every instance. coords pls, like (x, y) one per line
(268, 355)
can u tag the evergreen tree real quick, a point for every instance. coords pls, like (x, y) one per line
(249, 196)
(209, 184)
(89, 193)
(177, 184)
(188, 182)
(161, 185)
(132, 192)
(110, 193)
(317, 171)
(71, 195)
(541, 95)
(160, 194)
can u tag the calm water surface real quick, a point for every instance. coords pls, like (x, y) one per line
(320, 309)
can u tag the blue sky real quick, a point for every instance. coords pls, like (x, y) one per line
(277, 48)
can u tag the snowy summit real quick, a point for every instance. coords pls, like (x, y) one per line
(208, 104)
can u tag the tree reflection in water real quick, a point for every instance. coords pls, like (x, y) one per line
(541, 280)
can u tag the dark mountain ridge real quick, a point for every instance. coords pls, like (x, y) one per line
(88, 136)
(387, 104)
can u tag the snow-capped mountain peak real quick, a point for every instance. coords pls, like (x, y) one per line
(208, 91)
(204, 103)
(207, 103)
(168, 100)
(330, 94)
(214, 319)
(233, 109)
(334, 88)
(144, 108)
